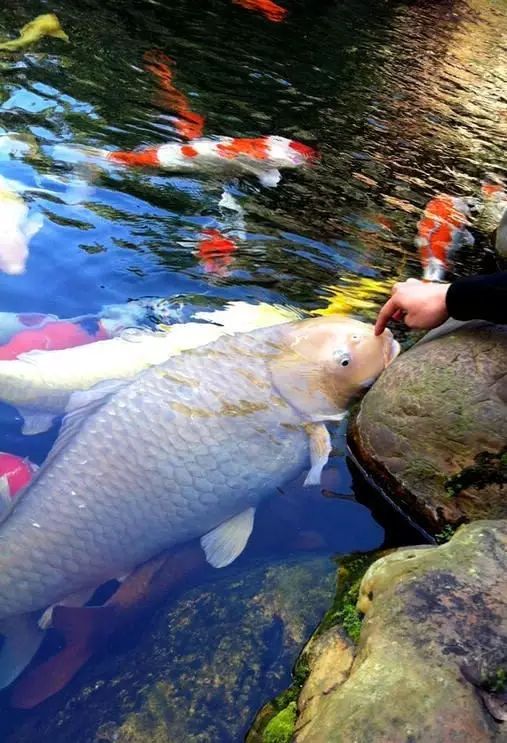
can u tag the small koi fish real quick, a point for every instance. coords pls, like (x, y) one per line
(44, 25)
(440, 232)
(215, 251)
(263, 157)
(268, 8)
(188, 123)
(53, 336)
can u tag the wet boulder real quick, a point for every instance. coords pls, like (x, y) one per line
(431, 663)
(433, 430)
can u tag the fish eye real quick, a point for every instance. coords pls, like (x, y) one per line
(343, 358)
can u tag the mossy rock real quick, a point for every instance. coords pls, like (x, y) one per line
(329, 649)
(432, 430)
(430, 665)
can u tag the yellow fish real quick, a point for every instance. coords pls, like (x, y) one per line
(44, 25)
(354, 293)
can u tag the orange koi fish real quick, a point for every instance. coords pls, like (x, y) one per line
(215, 251)
(189, 124)
(268, 8)
(440, 232)
(263, 157)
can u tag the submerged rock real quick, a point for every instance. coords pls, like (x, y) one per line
(431, 662)
(433, 429)
(201, 669)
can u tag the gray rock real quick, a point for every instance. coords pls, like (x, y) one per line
(433, 429)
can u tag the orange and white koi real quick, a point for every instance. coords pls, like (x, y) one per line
(215, 251)
(189, 124)
(494, 204)
(270, 10)
(441, 231)
(263, 157)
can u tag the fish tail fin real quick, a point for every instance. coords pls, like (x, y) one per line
(84, 630)
(22, 638)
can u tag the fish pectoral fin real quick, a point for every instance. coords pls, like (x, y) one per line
(225, 543)
(35, 423)
(269, 178)
(22, 638)
(320, 449)
(79, 598)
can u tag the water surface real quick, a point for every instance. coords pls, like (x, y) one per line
(403, 101)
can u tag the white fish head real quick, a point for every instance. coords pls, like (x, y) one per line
(327, 361)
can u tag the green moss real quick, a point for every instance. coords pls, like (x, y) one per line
(343, 610)
(497, 681)
(489, 468)
(280, 729)
(445, 535)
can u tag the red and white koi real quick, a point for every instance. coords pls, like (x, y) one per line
(441, 231)
(188, 123)
(263, 157)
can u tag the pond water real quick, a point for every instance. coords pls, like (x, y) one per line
(402, 100)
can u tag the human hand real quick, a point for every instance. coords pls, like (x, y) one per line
(418, 304)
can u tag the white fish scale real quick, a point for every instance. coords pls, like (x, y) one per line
(213, 445)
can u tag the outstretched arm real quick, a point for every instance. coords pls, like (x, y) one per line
(426, 305)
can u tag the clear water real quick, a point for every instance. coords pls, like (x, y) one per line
(403, 100)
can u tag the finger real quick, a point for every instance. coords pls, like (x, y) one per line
(385, 315)
(395, 287)
(412, 281)
(398, 315)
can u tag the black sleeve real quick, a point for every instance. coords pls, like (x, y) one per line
(479, 298)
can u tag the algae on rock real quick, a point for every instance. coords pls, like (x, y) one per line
(433, 428)
(432, 616)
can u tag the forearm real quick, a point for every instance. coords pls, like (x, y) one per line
(479, 298)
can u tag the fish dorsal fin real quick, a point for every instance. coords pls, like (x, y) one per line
(225, 543)
(80, 406)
